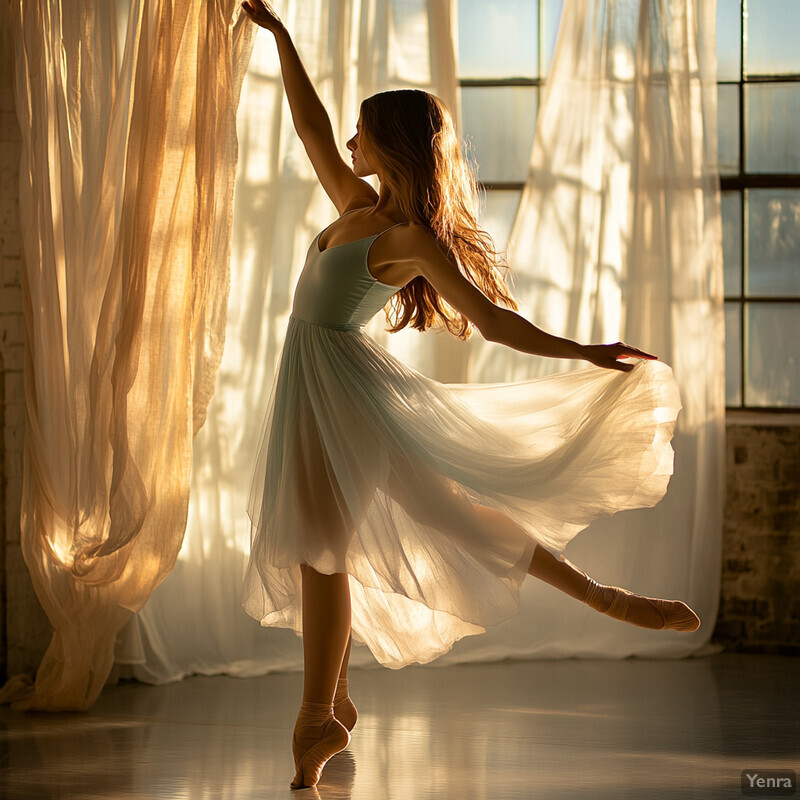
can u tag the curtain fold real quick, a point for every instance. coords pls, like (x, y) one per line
(126, 183)
(194, 622)
(618, 236)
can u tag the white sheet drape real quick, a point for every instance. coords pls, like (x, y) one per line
(618, 237)
(126, 187)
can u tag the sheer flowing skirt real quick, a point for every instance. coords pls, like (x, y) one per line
(370, 468)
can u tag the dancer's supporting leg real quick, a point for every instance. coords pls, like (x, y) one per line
(343, 707)
(318, 735)
(646, 612)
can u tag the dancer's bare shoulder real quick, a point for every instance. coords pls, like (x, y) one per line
(363, 198)
(395, 256)
(408, 244)
(411, 250)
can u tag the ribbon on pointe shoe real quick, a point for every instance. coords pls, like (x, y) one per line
(343, 707)
(638, 610)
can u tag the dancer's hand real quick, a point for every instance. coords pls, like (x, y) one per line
(262, 14)
(606, 355)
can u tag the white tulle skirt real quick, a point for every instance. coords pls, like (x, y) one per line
(370, 468)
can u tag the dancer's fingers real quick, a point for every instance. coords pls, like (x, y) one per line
(635, 352)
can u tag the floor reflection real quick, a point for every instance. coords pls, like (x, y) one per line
(547, 729)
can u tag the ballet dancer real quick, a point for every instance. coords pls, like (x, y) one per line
(388, 504)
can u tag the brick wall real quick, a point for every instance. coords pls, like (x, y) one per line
(24, 627)
(760, 594)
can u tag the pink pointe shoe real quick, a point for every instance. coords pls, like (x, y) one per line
(318, 736)
(646, 612)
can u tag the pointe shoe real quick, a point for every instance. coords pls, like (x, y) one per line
(343, 707)
(313, 744)
(636, 609)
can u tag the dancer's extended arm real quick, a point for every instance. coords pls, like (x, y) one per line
(311, 120)
(498, 324)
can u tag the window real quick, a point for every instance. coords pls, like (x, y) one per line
(759, 155)
(505, 49)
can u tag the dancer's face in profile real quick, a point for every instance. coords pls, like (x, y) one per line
(361, 165)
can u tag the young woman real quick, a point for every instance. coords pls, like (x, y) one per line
(392, 507)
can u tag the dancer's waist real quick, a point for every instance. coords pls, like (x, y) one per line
(347, 326)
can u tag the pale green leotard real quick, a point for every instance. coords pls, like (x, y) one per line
(336, 288)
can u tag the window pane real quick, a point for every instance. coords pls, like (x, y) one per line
(733, 354)
(551, 19)
(773, 119)
(732, 242)
(772, 28)
(773, 242)
(500, 123)
(773, 354)
(498, 216)
(498, 38)
(729, 40)
(728, 129)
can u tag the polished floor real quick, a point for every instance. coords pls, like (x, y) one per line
(542, 729)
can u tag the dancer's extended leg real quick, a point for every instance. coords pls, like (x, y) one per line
(646, 612)
(318, 735)
(343, 707)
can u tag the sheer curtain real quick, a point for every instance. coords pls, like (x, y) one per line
(194, 623)
(618, 236)
(129, 154)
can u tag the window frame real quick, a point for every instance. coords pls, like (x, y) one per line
(741, 183)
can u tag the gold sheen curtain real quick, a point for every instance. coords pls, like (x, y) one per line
(127, 112)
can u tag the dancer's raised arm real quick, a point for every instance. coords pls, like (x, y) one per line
(311, 120)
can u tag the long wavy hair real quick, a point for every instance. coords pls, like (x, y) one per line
(411, 140)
